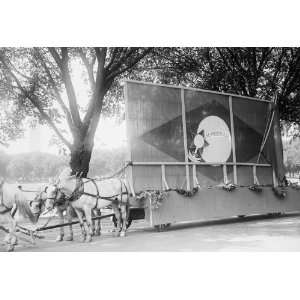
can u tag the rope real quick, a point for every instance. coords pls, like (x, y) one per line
(267, 130)
(77, 192)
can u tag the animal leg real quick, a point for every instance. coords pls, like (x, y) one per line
(14, 238)
(93, 221)
(11, 238)
(69, 218)
(89, 223)
(10, 247)
(118, 217)
(97, 223)
(124, 220)
(32, 238)
(79, 214)
(60, 236)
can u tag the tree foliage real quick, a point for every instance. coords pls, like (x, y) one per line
(264, 73)
(292, 155)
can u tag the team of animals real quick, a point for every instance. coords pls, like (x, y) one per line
(83, 197)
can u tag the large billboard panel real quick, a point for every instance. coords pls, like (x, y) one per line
(176, 125)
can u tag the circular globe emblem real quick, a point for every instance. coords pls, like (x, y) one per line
(212, 143)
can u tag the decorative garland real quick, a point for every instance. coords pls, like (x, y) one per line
(186, 193)
(255, 188)
(156, 197)
(279, 192)
(229, 187)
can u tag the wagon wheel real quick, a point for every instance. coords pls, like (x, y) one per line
(114, 219)
(162, 227)
(129, 221)
(275, 214)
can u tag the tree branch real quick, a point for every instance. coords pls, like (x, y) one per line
(120, 55)
(95, 105)
(56, 91)
(89, 68)
(112, 57)
(56, 56)
(237, 62)
(130, 65)
(63, 65)
(35, 102)
(231, 68)
(264, 58)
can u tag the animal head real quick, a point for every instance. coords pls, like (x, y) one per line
(51, 192)
(38, 203)
(53, 196)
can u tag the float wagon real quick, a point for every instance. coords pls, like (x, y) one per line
(205, 154)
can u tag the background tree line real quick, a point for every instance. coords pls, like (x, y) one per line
(40, 167)
(291, 151)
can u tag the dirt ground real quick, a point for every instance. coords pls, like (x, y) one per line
(247, 234)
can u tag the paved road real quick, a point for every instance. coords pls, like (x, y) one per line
(251, 234)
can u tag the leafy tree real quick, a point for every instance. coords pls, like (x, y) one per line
(36, 80)
(10, 123)
(265, 73)
(292, 155)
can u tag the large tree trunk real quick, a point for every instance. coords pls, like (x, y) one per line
(82, 148)
(80, 158)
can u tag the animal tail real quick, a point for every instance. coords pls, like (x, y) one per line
(24, 209)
